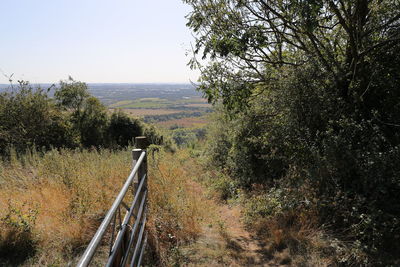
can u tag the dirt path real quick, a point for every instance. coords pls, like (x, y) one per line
(225, 242)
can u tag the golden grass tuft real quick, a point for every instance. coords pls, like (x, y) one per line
(67, 191)
(293, 237)
(175, 203)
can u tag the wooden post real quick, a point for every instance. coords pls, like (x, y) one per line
(141, 142)
(141, 145)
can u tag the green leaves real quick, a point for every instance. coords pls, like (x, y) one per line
(71, 94)
(30, 119)
(251, 37)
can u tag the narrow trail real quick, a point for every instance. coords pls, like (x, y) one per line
(225, 241)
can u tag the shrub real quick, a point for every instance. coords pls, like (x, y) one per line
(17, 241)
(297, 133)
(122, 129)
(29, 119)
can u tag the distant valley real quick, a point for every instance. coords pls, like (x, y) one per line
(169, 105)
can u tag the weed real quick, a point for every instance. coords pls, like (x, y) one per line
(17, 241)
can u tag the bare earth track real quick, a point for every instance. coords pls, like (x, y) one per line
(225, 242)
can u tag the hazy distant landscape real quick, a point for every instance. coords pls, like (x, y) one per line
(110, 93)
(166, 104)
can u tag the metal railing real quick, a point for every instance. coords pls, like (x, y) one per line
(128, 236)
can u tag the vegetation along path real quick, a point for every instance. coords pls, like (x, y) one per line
(224, 240)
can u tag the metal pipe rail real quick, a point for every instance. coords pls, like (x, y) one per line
(130, 238)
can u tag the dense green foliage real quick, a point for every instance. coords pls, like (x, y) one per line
(187, 136)
(31, 119)
(310, 105)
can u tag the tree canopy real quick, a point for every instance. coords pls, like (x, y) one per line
(249, 40)
(31, 119)
(309, 96)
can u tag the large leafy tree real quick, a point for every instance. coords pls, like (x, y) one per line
(88, 115)
(314, 89)
(249, 39)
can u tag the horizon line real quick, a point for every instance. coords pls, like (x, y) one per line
(38, 83)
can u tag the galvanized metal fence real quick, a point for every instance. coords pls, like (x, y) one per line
(127, 235)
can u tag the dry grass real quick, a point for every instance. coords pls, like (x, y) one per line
(176, 206)
(56, 201)
(294, 238)
(52, 205)
(281, 236)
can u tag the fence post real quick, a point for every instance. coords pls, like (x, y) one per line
(135, 155)
(141, 143)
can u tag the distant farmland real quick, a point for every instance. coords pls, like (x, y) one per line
(141, 112)
(188, 122)
(186, 109)
(160, 103)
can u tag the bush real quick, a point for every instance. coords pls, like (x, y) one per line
(122, 129)
(226, 187)
(29, 119)
(17, 241)
(298, 133)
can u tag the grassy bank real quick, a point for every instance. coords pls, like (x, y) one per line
(177, 208)
(52, 204)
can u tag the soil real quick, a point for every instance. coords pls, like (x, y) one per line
(226, 242)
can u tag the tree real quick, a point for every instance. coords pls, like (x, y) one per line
(71, 94)
(88, 115)
(29, 119)
(123, 129)
(249, 40)
(312, 91)
(93, 123)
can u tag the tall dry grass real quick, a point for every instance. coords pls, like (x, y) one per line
(293, 234)
(52, 204)
(177, 207)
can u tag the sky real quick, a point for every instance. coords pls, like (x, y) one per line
(103, 41)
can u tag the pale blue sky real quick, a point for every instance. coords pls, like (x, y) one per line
(95, 40)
